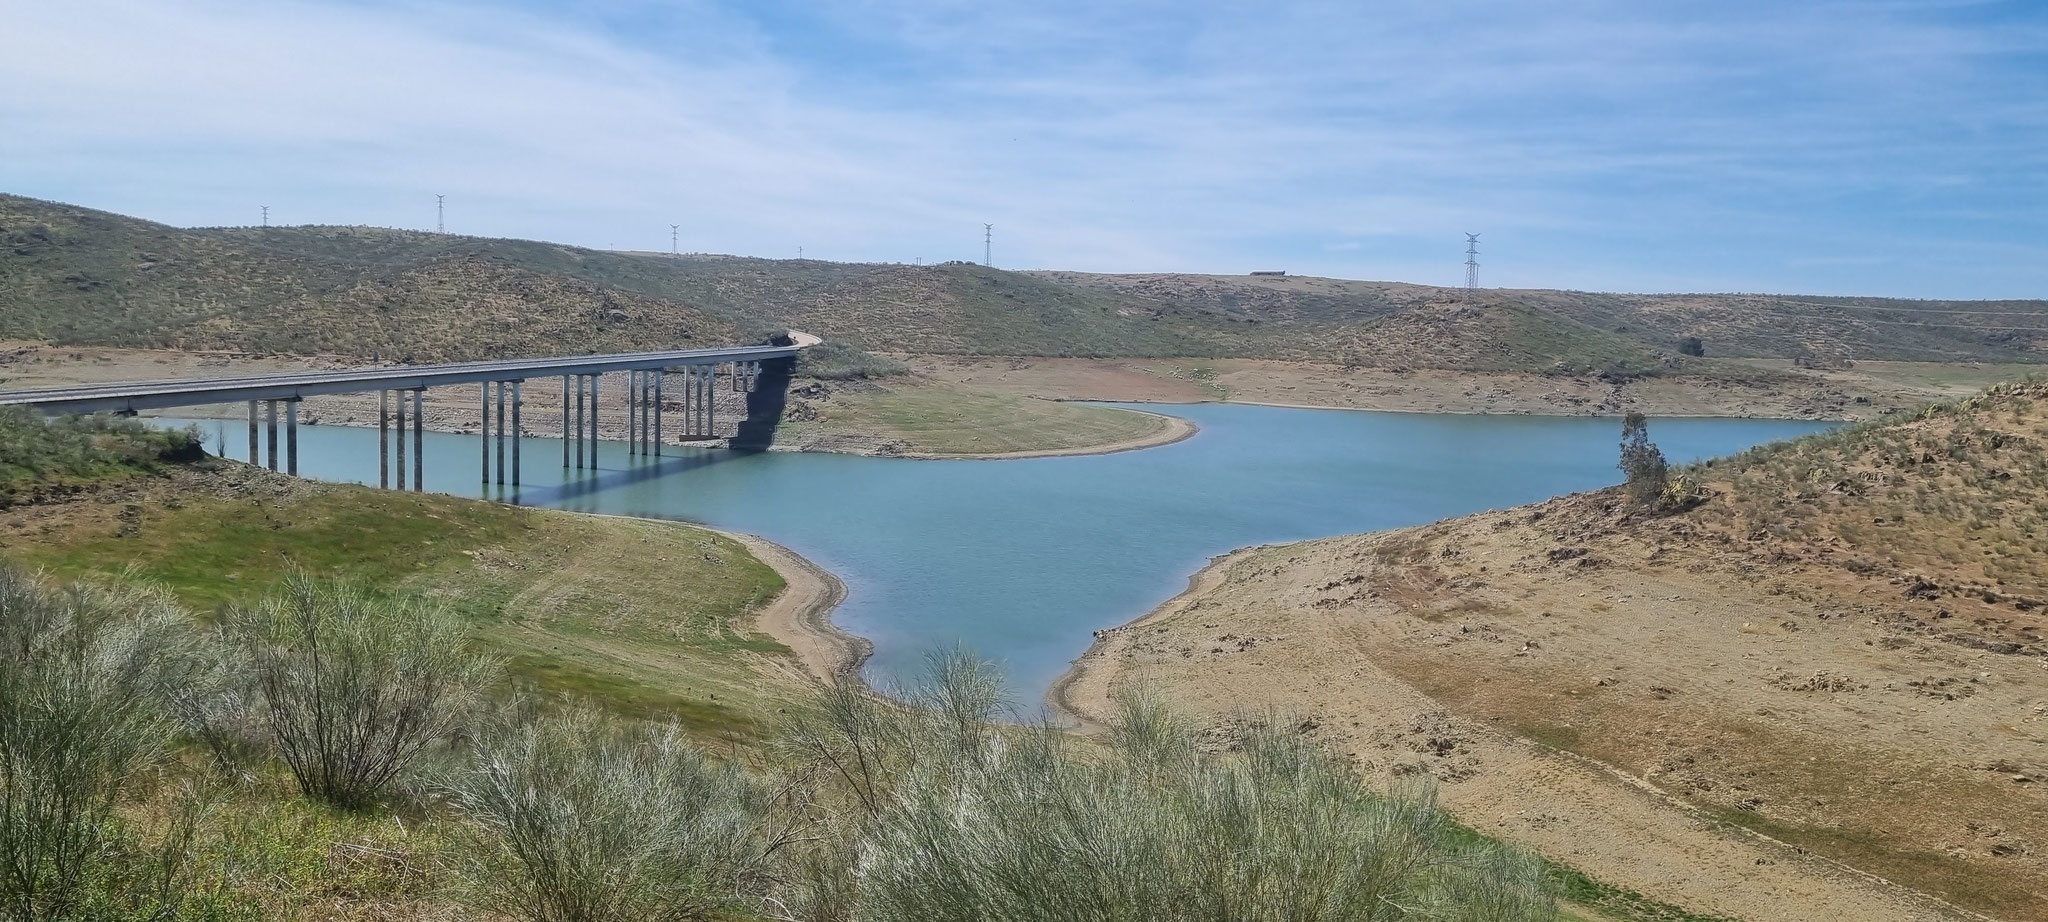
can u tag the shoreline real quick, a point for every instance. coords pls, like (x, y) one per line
(1467, 412)
(800, 616)
(1088, 676)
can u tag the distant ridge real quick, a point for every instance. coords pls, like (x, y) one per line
(76, 275)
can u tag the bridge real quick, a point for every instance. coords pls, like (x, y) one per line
(502, 389)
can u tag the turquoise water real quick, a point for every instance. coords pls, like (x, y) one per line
(1021, 559)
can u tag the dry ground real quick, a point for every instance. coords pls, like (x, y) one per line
(1774, 389)
(1829, 675)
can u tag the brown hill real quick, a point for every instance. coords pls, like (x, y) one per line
(1841, 649)
(74, 275)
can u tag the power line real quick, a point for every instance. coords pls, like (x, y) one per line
(1471, 262)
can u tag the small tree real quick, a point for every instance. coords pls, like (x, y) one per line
(1641, 461)
(354, 688)
(1692, 346)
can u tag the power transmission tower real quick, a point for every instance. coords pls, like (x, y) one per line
(1471, 262)
(266, 216)
(988, 233)
(674, 230)
(440, 214)
(799, 252)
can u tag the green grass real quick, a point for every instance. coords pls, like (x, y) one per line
(648, 618)
(946, 420)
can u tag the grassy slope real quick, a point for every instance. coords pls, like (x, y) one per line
(646, 617)
(75, 275)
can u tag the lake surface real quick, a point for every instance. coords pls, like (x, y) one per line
(1020, 560)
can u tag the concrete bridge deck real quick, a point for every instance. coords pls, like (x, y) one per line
(130, 396)
(502, 384)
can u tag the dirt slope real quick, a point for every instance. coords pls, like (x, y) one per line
(1841, 650)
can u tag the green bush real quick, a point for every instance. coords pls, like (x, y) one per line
(836, 361)
(84, 674)
(584, 820)
(951, 818)
(34, 449)
(353, 688)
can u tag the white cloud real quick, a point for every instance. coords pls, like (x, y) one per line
(1096, 136)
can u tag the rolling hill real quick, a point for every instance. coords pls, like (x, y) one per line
(1838, 651)
(75, 275)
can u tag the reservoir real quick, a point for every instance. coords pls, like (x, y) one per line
(1020, 560)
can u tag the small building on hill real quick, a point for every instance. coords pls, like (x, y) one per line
(1269, 272)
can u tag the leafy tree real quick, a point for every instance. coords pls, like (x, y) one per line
(1692, 346)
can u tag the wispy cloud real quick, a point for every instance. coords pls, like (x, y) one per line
(1855, 147)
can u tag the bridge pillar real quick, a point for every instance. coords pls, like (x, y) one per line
(518, 397)
(577, 434)
(419, 438)
(632, 388)
(384, 439)
(270, 424)
(711, 401)
(565, 422)
(483, 431)
(660, 375)
(593, 420)
(501, 432)
(291, 436)
(252, 432)
(401, 440)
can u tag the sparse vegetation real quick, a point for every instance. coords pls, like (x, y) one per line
(36, 451)
(588, 820)
(365, 292)
(1642, 462)
(354, 689)
(85, 672)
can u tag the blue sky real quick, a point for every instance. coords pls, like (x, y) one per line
(1871, 147)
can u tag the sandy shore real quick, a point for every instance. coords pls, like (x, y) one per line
(801, 617)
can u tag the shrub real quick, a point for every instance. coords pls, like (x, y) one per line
(83, 674)
(1692, 346)
(1026, 823)
(1641, 461)
(95, 445)
(836, 361)
(585, 821)
(354, 688)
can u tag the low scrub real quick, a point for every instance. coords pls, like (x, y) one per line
(956, 818)
(85, 672)
(586, 820)
(352, 687)
(836, 361)
(35, 450)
